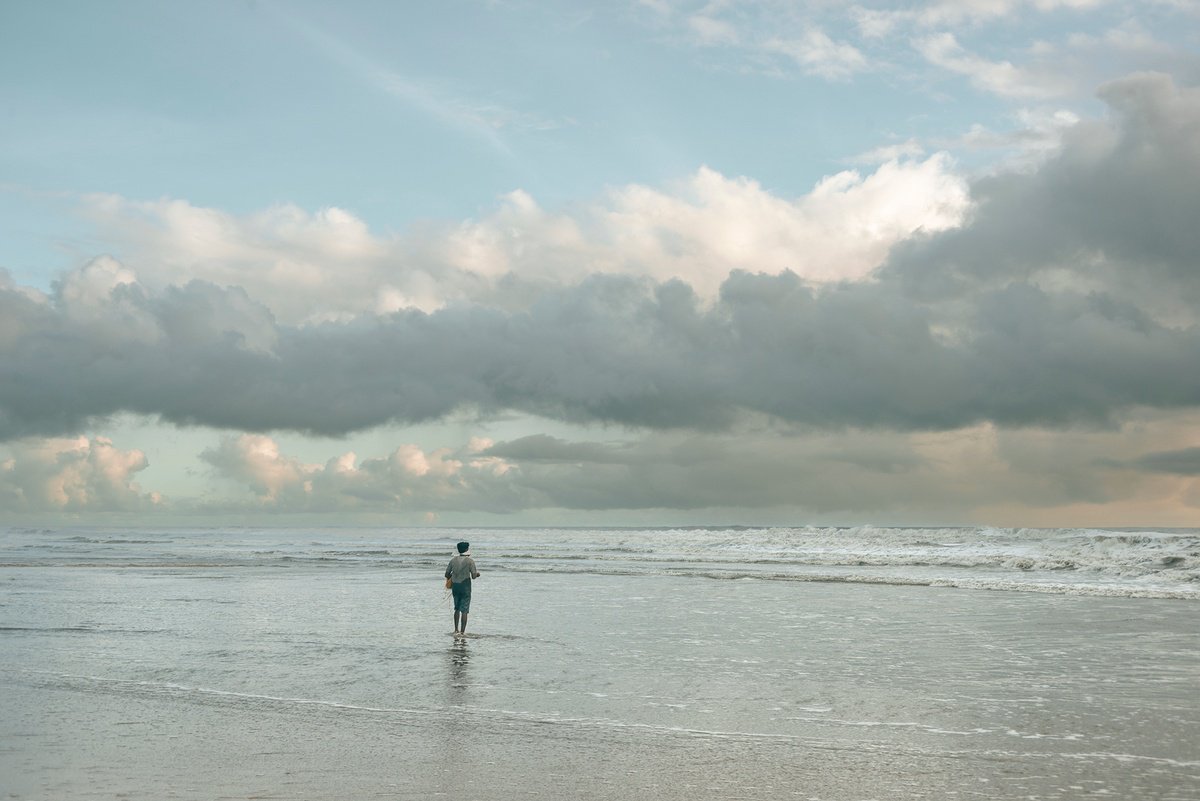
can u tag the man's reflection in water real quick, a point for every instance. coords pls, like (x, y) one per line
(460, 659)
(453, 734)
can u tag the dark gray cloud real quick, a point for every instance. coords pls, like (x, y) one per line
(613, 350)
(1045, 309)
(1059, 358)
(1184, 462)
(545, 448)
(1116, 209)
(610, 350)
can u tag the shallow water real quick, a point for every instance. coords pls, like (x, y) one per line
(189, 668)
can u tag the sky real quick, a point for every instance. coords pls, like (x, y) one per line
(640, 262)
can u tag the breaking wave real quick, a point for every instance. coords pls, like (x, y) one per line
(1148, 563)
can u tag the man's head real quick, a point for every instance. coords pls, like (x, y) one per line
(463, 546)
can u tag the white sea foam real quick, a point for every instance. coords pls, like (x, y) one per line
(1132, 563)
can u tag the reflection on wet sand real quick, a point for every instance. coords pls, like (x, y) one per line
(455, 722)
(460, 659)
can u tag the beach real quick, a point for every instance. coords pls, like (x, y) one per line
(319, 664)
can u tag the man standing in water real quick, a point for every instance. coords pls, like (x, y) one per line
(460, 571)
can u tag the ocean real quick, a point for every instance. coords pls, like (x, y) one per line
(701, 663)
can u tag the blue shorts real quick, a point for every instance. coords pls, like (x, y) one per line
(462, 596)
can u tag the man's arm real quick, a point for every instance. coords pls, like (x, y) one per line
(474, 570)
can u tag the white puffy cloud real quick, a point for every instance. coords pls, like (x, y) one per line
(91, 288)
(408, 479)
(307, 268)
(255, 460)
(312, 266)
(79, 474)
(841, 230)
(102, 296)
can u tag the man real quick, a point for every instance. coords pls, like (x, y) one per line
(460, 571)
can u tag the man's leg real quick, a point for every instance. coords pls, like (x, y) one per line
(462, 605)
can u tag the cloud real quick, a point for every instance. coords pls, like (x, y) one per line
(255, 460)
(545, 448)
(1038, 134)
(709, 31)
(408, 479)
(1182, 462)
(611, 349)
(312, 267)
(1110, 213)
(837, 42)
(1031, 474)
(1103, 41)
(1129, 36)
(998, 77)
(910, 149)
(1067, 296)
(817, 54)
(78, 474)
(842, 230)
(540, 472)
(763, 36)
(877, 22)
(1105, 53)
